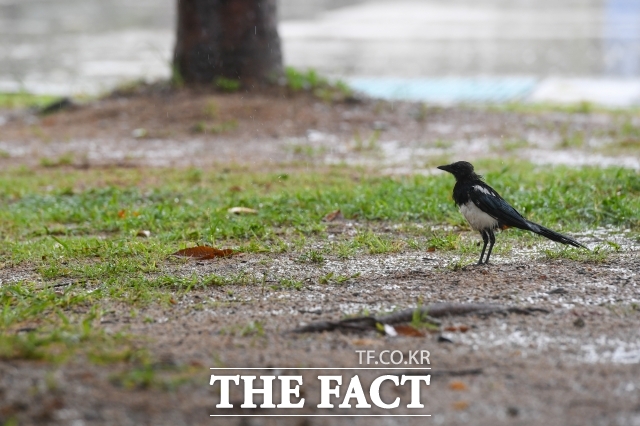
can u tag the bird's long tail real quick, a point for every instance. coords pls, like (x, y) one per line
(553, 235)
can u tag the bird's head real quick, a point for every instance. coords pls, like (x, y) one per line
(461, 170)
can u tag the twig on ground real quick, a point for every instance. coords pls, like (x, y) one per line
(435, 310)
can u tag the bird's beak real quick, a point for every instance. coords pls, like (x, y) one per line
(446, 168)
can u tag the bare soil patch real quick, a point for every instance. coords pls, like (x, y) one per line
(578, 363)
(159, 126)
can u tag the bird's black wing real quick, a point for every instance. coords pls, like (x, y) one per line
(490, 202)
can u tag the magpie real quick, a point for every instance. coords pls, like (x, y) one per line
(486, 211)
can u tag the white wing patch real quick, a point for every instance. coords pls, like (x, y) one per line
(478, 219)
(482, 189)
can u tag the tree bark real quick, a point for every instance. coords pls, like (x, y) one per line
(234, 39)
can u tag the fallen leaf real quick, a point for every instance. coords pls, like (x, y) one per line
(457, 385)
(457, 328)
(242, 210)
(407, 330)
(460, 405)
(122, 214)
(431, 249)
(336, 215)
(143, 233)
(203, 252)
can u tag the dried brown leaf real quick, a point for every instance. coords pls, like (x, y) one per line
(407, 330)
(457, 328)
(336, 215)
(203, 252)
(457, 385)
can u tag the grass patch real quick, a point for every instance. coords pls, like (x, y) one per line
(546, 107)
(366, 144)
(333, 278)
(312, 256)
(149, 376)
(513, 145)
(227, 84)
(297, 80)
(37, 326)
(378, 244)
(79, 230)
(288, 284)
(24, 100)
(598, 255)
(216, 128)
(62, 161)
(54, 217)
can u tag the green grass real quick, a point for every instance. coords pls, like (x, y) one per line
(597, 255)
(546, 107)
(227, 85)
(58, 334)
(297, 80)
(288, 284)
(56, 215)
(333, 278)
(378, 244)
(24, 100)
(150, 376)
(217, 128)
(78, 230)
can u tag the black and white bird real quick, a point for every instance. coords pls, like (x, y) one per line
(486, 211)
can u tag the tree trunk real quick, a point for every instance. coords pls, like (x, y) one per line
(234, 39)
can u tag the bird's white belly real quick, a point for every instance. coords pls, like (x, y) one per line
(478, 219)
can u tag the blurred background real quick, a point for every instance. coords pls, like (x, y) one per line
(440, 51)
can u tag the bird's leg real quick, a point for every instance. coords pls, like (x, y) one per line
(492, 238)
(485, 238)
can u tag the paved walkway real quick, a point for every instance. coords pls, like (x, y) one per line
(431, 50)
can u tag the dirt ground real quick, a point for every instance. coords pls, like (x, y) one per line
(576, 362)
